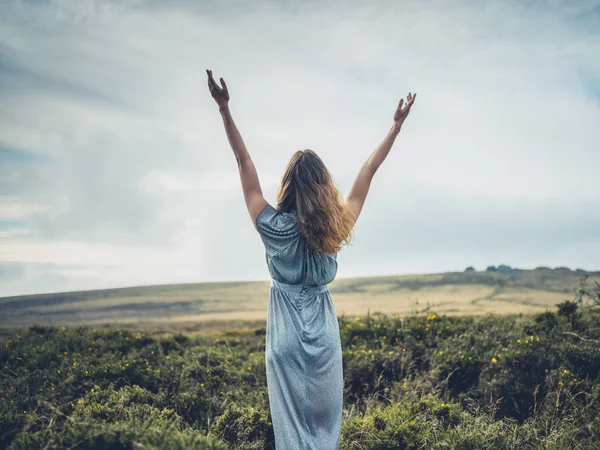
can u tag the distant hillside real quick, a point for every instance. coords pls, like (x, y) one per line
(502, 290)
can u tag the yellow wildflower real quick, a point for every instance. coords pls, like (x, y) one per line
(494, 360)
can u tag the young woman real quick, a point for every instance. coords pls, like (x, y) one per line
(302, 237)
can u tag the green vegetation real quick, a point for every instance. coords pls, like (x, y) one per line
(434, 382)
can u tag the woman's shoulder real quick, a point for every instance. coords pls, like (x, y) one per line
(273, 219)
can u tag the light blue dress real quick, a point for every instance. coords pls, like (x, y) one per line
(303, 350)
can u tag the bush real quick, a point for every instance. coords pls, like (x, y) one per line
(245, 427)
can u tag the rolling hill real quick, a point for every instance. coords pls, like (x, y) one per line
(501, 290)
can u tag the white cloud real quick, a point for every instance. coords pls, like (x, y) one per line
(135, 166)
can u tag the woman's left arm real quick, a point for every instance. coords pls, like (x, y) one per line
(255, 201)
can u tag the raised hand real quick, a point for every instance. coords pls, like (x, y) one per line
(220, 94)
(403, 109)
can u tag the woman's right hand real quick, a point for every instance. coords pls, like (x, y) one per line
(220, 94)
(403, 110)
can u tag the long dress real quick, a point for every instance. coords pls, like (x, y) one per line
(303, 352)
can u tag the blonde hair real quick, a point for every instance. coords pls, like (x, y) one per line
(308, 188)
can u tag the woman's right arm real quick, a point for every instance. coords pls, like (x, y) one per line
(360, 187)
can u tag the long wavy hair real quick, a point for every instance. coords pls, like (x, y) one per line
(308, 188)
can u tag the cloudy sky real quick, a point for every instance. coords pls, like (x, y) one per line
(115, 169)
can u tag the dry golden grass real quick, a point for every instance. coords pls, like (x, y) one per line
(207, 306)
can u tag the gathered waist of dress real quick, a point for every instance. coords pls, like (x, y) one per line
(299, 288)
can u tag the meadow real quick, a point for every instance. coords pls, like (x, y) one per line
(421, 380)
(207, 307)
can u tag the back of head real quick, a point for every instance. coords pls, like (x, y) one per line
(307, 187)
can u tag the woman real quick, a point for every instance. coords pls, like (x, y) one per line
(302, 237)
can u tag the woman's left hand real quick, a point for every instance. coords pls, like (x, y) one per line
(220, 94)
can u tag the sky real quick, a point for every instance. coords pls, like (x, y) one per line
(115, 169)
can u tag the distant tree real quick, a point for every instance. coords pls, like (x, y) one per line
(585, 297)
(470, 269)
(491, 269)
(563, 268)
(504, 268)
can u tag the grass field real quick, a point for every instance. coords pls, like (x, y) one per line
(447, 377)
(432, 381)
(215, 306)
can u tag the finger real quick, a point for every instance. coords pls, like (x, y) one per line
(210, 76)
(401, 103)
(223, 83)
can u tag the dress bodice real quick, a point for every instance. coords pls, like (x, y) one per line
(289, 260)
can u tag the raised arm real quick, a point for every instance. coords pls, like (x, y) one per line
(358, 192)
(255, 202)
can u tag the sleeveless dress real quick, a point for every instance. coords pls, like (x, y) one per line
(303, 352)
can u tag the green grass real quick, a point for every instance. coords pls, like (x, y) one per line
(417, 382)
